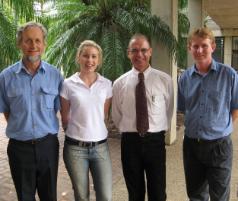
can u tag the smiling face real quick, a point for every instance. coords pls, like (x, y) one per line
(88, 59)
(139, 52)
(32, 44)
(201, 49)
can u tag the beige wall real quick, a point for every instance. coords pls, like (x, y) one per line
(195, 15)
(167, 10)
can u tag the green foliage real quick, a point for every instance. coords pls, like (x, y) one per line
(12, 13)
(110, 23)
(182, 4)
(8, 48)
(21, 8)
(183, 29)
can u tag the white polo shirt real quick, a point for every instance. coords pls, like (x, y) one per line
(86, 117)
(159, 93)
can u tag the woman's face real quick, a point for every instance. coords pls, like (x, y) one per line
(89, 59)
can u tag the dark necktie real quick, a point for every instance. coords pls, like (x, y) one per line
(142, 121)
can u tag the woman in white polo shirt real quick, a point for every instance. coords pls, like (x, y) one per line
(85, 102)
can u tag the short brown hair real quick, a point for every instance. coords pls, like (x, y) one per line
(138, 35)
(202, 32)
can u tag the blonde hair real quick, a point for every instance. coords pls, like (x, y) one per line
(202, 32)
(89, 43)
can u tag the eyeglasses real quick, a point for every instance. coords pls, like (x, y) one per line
(136, 51)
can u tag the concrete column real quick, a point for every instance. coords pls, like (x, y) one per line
(228, 50)
(167, 10)
(195, 16)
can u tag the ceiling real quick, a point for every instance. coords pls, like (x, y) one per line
(223, 12)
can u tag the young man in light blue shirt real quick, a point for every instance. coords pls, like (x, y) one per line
(208, 96)
(29, 99)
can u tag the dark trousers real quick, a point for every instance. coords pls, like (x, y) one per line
(144, 156)
(34, 167)
(207, 166)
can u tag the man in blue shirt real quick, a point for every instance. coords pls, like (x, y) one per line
(208, 96)
(29, 99)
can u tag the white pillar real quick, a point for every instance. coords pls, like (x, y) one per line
(228, 50)
(167, 11)
(195, 16)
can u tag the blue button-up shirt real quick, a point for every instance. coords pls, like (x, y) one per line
(31, 101)
(208, 100)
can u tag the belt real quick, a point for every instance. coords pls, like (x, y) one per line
(32, 141)
(72, 141)
(200, 140)
(147, 134)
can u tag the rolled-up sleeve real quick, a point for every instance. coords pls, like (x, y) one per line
(4, 106)
(234, 100)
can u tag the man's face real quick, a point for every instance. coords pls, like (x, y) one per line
(32, 44)
(139, 52)
(201, 49)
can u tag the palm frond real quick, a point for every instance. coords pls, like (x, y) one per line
(110, 23)
(114, 55)
(7, 41)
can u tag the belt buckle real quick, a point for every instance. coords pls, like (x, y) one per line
(87, 144)
(142, 134)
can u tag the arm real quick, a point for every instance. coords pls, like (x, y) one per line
(6, 115)
(116, 106)
(107, 105)
(180, 98)
(65, 107)
(4, 104)
(234, 116)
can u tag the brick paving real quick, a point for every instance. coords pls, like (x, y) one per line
(175, 176)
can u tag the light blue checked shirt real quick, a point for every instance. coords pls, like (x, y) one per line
(208, 100)
(31, 101)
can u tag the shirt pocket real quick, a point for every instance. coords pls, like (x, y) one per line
(217, 108)
(157, 104)
(48, 97)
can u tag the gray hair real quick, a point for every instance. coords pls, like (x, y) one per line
(25, 26)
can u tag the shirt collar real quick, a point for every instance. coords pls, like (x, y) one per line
(76, 78)
(195, 71)
(21, 67)
(146, 72)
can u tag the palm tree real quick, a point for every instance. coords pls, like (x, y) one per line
(12, 13)
(8, 48)
(110, 23)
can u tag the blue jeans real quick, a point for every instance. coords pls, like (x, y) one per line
(79, 161)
